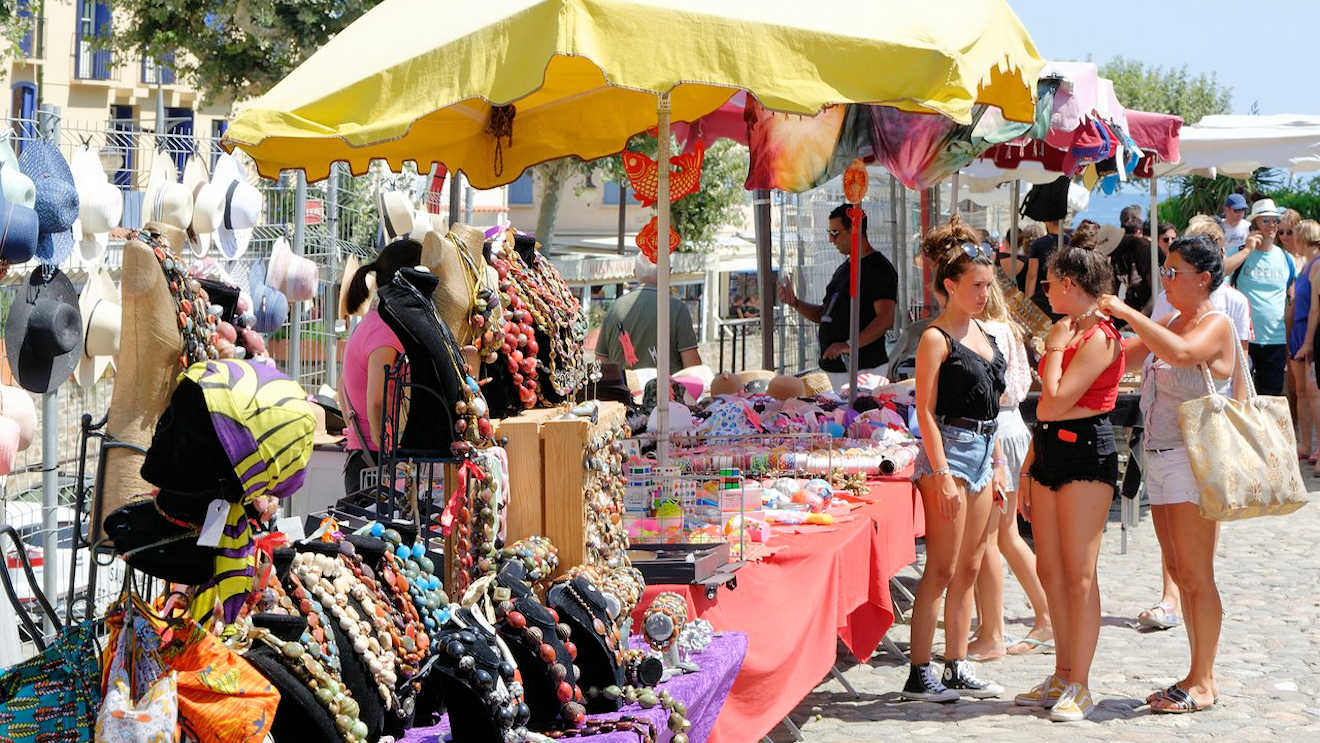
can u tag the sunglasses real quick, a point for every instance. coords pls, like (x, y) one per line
(974, 250)
(1268, 220)
(1286, 232)
(1045, 285)
(1168, 274)
(833, 233)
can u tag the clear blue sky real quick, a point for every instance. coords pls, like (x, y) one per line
(1265, 50)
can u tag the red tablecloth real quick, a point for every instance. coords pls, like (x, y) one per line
(823, 583)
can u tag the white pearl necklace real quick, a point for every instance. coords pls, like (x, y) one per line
(332, 584)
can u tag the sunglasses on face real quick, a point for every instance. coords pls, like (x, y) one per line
(1045, 285)
(833, 233)
(1286, 232)
(1168, 274)
(1268, 220)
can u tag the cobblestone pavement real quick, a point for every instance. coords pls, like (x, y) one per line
(1268, 665)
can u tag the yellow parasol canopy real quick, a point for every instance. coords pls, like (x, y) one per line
(420, 79)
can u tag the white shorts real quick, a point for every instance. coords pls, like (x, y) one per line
(1169, 478)
(1014, 439)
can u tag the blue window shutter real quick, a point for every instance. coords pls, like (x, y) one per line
(180, 143)
(101, 58)
(520, 191)
(122, 139)
(25, 16)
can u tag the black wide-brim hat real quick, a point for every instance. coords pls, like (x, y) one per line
(162, 547)
(44, 332)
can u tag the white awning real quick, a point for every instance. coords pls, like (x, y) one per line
(1236, 145)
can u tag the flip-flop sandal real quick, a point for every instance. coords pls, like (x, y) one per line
(1161, 694)
(1177, 701)
(1159, 616)
(1034, 647)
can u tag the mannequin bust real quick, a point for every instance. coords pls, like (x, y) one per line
(453, 295)
(146, 367)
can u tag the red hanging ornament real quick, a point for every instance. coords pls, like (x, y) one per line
(644, 174)
(648, 240)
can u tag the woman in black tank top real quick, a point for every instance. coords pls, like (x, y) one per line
(960, 377)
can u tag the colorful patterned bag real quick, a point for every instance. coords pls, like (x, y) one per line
(155, 716)
(53, 696)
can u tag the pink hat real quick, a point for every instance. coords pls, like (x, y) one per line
(16, 405)
(290, 273)
(8, 445)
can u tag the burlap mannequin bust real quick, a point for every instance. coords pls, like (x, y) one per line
(147, 366)
(453, 295)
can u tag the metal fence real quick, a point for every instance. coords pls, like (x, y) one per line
(324, 221)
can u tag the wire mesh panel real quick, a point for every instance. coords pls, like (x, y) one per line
(806, 256)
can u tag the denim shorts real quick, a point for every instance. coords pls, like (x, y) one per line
(1079, 450)
(968, 453)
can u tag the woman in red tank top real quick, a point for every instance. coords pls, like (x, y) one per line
(1071, 472)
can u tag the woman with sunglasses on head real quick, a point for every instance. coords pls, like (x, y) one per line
(1174, 354)
(960, 377)
(1072, 472)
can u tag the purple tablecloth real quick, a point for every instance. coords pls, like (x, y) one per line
(702, 692)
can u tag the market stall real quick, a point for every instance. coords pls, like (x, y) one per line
(471, 577)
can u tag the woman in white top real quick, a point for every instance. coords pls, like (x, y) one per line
(1173, 354)
(1015, 438)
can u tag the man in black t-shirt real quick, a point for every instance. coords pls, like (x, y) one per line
(879, 300)
(1038, 258)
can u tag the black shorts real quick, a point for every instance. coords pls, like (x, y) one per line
(1081, 450)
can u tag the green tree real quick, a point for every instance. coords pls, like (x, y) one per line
(696, 218)
(1170, 91)
(231, 50)
(1176, 91)
(14, 23)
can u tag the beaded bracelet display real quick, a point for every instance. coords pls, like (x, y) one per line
(329, 692)
(607, 538)
(539, 557)
(673, 609)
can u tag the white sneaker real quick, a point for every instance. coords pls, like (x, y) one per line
(1074, 705)
(1044, 694)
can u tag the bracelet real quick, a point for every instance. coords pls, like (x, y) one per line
(996, 461)
(1060, 349)
(942, 471)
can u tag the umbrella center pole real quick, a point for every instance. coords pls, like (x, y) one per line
(662, 333)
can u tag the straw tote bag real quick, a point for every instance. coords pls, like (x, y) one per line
(1242, 452)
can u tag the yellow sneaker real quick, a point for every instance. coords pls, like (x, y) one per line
(1074, 705)
(1044, 694)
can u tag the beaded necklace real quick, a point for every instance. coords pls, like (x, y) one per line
(424, 588)
(514, 624)
(319, 638)
(401, 633)
(197, 323)
(607, 538)
(460, 637)
(488, 338)
(519, 347)
(332, 583)
(329, 692)
(609, 634)
(555, 312)
(539, 558)
(644, 729)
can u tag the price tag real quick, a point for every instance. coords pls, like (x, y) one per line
(214, 526)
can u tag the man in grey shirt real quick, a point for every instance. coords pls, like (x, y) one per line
(628, 332)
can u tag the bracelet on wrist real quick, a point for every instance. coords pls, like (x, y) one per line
(942, 471)
(1051, 349)
(997, 461)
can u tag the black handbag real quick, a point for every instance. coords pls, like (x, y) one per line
(1047, 202)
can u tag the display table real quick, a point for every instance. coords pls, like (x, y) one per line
(821, 583)
(703, 693)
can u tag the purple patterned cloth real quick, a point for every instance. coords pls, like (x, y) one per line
(703, 693)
